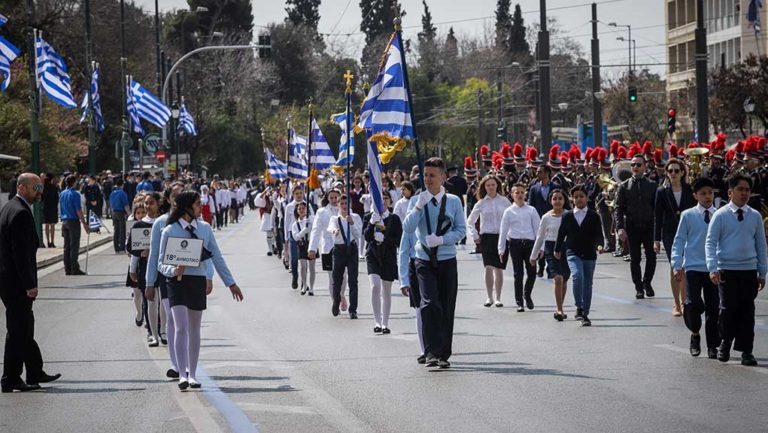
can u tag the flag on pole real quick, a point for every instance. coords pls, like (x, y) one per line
(753, 14)
(386, 111)
(277, 169)
(3, 20)
(149, 107)
(297, 156)
(94, 222)
(346, 144)
(134, 124)
(8, 53)
(374, 170)
(321, 156)
(96, 102)
(186, 122)
(52, 73)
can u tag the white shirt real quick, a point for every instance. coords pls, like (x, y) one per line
(356, 228)
(367, 202)
(401, 208)
(580, 214)
(550, 225)
(490, 212)
(290, 217)
(518, 222)
(711, 210)
(733, 208)
(301, 228)
(320, 239)
(394, 193)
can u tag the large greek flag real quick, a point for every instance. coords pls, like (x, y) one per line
(321, 156)
(186, 122)
(386, 111)
(134, 123)
(374, 170)
(346, 144)
(297, 156)
(277, 169)
(8, 53)
(52, 74)
(96, 102)
(149, 107)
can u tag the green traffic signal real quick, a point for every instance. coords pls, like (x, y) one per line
(632, 93)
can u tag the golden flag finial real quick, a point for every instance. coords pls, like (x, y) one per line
(348, 78)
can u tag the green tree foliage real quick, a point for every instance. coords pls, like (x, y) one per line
(646, 118)
(377, 24)
(517, 44)
(429, 56)
(731, 87)
(303, 12)
(503, 24)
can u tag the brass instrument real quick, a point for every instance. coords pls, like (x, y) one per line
(610, 187)
(622, 171)
(697, 166)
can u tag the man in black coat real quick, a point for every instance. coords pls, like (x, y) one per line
(18, 287)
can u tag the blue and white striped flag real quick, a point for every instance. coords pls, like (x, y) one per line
(149, 107)
(297, 156)
(321, 155)
(3, 20)
(346, 144)
(374, 170)
(52, 74)
(96, 102)
(186, 122)
(277, 169)
(8, 53)
(134, 124)
(386, 111)
(94, 222)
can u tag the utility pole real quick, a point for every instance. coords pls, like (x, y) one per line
(479, 118)
(501, 131)
(544, 82)
(125, 139)
(34, 112)
(89, 68)
(702, 109)
(597, 105)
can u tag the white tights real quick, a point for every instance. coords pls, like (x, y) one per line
(187, 341)
(170, 332)
(303, 265)
(494, 278)
(419, 332)
(137, 298)
(381, 297)
(270, 241)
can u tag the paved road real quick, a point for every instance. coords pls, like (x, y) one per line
(279, 362)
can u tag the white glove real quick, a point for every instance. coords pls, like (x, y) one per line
(434, 241)
(378, 237)
(423, 199)
(375, 218)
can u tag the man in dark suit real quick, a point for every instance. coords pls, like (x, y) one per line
(635, 205)
(18, 287)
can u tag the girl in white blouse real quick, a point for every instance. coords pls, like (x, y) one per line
(489, 210)
(545, 247)
(300, 230)
(401, 206)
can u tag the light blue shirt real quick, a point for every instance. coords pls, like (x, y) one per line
(736, 245)
(407, 252)
(204, 233)
(688, 248)
(154, 248)
(416, 222)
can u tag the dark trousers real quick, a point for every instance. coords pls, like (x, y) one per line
(519, 253)
(219, 219)
(293, 247)
(70, 230)
(225, 211)
(20, 346)
(438, 287)
(738, 290)
(345, 259)
(118, 224)
(606, 220)
(698, 284)
(641, 237)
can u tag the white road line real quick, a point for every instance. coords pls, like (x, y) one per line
(262, 407)
(733, 363)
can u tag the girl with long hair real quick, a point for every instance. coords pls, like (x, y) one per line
(382, 234)
(545, 247)
(300, 229)
(50, 201)
(406, 192)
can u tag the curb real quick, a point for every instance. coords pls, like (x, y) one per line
(60, 257)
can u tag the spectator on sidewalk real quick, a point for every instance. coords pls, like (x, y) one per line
(94, 198)
(145, 184)
(121, 208)
(72, 217)
(50, 208)
(106, 187)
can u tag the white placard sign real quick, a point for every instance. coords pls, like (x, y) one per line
(140, 238)
(183, 252)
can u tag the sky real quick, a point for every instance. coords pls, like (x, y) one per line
(340, 21)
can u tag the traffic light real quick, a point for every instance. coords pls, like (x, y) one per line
(501, 133)
(671, 120)
(632, 94)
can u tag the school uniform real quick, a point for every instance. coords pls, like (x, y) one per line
(300, 232)
(320, 239)
(345, 258)
(406, 271)
(517, 234)
(545, 242)
(490, 212)
(381, 257)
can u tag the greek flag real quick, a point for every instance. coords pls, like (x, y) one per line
(753, 14)
(297, 156)
(96, 102)
(52, 74)
(321, 155)
(149, 107)
(186, 122)
(277, 169)
(134, 124)
(386, 111)
(374, 170)
(94, 222)
(346, 144)
(3, 20)
(8, 53)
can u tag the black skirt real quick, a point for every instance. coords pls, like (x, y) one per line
(386, 268)
(489, 244)
(189, 292)
(303, 247)
(555, 266)
(414, 295)
(327, 261)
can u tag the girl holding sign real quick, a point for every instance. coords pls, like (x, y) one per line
(188, 286)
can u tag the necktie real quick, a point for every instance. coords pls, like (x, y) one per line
(706, 216)
(740, 213)
(434, 201)
(191, 231)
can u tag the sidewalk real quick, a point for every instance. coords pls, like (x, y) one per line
(48, 256)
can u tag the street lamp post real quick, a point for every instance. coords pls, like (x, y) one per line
(175, 112)
(629, 38)
(749, 108)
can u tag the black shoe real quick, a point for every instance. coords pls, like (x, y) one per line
(50, 245)
(163, 340)
(724, 352)
(183, 385)
(627, 258)
(172, 374)
(579, 314)
(639, 295)
(269, 253)
(487, 304)
(385, 331)
(649, 291)
(310, 293)
(529, 302)
(540, 273)
(335, 310)
(45, 378)
(353, 316)
(139, 322)
(421, 359)
(21, 387)
(712, 353)
(748, 359)
(195, 385)
(443, 363)
(295, 283)
(520, 308)
(585, 321)
(78, 272)
(376, 329)
(303, 290)
(558, 316)
(695, 345)
(431, 361)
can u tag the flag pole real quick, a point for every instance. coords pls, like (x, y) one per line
(309, 152)
(348, 125)
(87, 241)
(419, 162)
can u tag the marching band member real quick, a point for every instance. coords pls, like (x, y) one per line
(517, 234)
(545, 247)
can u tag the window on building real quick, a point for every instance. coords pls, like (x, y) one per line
(673, 67)
(680, 16)
(690, 7)
(671, 17)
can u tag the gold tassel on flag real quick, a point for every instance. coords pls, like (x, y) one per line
(314, 180)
